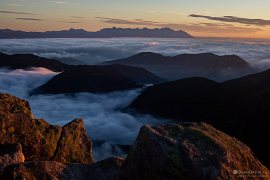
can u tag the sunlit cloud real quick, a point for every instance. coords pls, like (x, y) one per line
(63, 2)
(234, 19)
(77, 17)
(13, 4)
(71, 22)
(29, 19)
(16, 12)
(195, 27)
(128, 22)
(172, 12)
(152, 11)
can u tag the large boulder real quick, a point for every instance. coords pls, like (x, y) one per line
(40, 140)
(74, 145)
(18, 125)
(189, 151)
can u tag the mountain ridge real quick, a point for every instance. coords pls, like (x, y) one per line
(208, 65)
(239, 107)
(73, 78)
(103, 33)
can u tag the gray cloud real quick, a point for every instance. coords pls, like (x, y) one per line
(77, 17)
(30, 19)
(71, 22)
(234, 19)
(128, 22)
(16, 12)
(216, 24)
(198, 27)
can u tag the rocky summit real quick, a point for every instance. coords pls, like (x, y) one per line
(33, 149)
(188, 151)
(41, 141)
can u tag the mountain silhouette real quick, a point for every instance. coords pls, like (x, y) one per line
(239, 107)
(98, 79)
(206, 65)
(103, 33)
(82, 78)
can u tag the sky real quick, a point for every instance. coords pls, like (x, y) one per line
(200, 18)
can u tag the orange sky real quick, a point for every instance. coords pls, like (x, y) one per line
(250, 18)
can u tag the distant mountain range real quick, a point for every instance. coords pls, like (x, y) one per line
(103, 33)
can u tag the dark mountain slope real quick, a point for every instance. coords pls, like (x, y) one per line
(189, 65)
(25, 61)
(84, 78)
(98, 79)
(239, 107)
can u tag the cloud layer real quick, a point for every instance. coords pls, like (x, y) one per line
(101, 112)
(92, 51)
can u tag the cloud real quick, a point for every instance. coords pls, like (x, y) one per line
(216, 24)
(94, 51)
(30, 19)
(234, 19)
(63, 2)
(101, 112)
(77, 17)
(59, 2)
(128, 22)
(197, 27)
(9, 78)
(14, 4)
(16, 12)
(71, 22)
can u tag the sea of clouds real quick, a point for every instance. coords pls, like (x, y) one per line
(93, 51)
(104, 121)
(101, 112)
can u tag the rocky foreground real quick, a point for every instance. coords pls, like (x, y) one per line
(33, 149)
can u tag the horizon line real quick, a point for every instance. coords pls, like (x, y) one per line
(198, 37)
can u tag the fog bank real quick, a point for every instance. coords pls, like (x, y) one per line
(93, 51)
(101, 112)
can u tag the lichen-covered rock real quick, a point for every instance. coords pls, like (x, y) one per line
(189, 151)
(41, 141)
(108, 169)
(33, 170)
(17, 125)
(10, 154)
(50, 136)
(74, 145)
